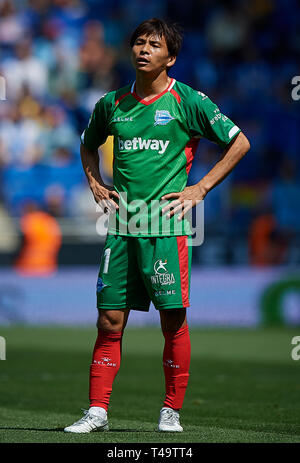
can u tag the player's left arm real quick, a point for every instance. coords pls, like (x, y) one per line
(192, 195)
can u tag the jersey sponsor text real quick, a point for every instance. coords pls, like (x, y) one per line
(138, 143)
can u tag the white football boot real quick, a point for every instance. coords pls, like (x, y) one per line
(169, 420)
(94, 419)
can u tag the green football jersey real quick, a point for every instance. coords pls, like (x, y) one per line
(154, 145)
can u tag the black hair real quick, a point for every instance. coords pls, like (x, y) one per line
(172, 33)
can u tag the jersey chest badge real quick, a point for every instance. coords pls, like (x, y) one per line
(162, 117)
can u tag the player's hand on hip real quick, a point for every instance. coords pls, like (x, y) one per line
(183, 201)
(105, 196)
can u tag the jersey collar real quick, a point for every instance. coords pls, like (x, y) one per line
(135, 95)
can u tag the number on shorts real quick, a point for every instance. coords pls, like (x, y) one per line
(106, 260)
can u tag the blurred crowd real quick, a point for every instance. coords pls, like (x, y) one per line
(59, 57)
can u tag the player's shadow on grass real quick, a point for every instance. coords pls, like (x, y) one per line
(31, 429)
(62, 429)
(131, 430)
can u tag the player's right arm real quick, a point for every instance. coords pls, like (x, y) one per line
(103, 194)
(93, 136)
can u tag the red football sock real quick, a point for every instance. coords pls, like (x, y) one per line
(176, 363)
(105, 365)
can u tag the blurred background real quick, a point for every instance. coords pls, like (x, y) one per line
(58, 58)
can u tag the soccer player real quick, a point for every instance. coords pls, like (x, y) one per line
(157, 123)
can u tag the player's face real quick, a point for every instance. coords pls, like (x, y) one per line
(150, 54)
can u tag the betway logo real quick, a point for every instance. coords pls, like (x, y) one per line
(140, 144)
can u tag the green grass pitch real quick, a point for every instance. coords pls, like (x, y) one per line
(244, 386)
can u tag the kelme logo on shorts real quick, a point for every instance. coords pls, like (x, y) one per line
(138, 143)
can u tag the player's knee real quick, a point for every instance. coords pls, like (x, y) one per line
(111, 322)
(173, 320)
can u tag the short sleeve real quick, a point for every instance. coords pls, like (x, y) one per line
(96, 132)
(205, 120)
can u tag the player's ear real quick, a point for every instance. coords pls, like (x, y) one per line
(171, 61)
